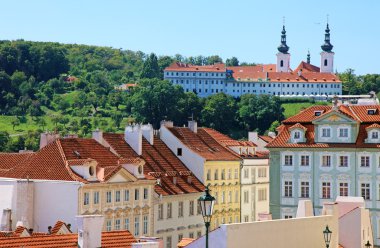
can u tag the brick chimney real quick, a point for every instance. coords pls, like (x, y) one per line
(90, 231)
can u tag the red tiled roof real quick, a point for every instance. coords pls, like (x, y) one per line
(249, 73)
(266, 138)
(113, 239)
(54, 160)
(203, 144)
(161, 163)
(297, 125)
(306, 117)
(177, 66)
(184, 242)
(305, 67)
(375, 125)
(58, 226)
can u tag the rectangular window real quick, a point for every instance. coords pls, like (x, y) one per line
(137, 226)
(305, 160)
(375, 135)
(343, 161)
(288, 160)
(160, 211)
(126, 195)
(326, 132)
(86, 198)
(262, 194)
(179, 151)
(366, 191)
(117, 224)
(262, 172)
(191, 208)
(180, 237)
(246, 173)
(364, 161)
(297, 135)
(246, 218)
(305, 190)
(109, 225)
(208, 174)
(288, 189)
(117, 196)
(246, 196)
(180, 209)
(326, 161)
(236, 196)
(223, 174)
(229, 174)
(288, 217)
(146, 193)
(126, 223)
(216, 175)
(236, 174)
(108, 196)
(169, 210)
(326, 190)
(230, 196)
(343, 189)
(96, 197)
(137, 194)
(199, 209)
(191, 235)
(199, 234)
(223, 196)
(343, 132)
(145, 224)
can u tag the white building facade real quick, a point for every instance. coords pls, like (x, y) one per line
(277, 79)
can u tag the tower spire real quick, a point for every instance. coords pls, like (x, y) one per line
(327, 47)
(308, 57)
(283, 47)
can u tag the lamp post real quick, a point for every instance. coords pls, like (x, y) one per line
(327, 236)
(206, 203)
(368, 244)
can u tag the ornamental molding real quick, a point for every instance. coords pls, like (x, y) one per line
(325, 177)
(287, 176)
(365, 178)
(305, 176)
(343, 177)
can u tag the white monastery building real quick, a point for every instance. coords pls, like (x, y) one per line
(278, 79)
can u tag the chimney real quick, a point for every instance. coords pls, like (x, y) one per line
(49, 229)
(47, 138)
(90, 231)
(272, 134)
(193, 126)
(253, 137)
(98, 136)
(6, 220)
(147, 132)
(167, 123)
(335, 102)
(133, 136)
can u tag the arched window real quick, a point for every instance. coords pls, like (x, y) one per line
(325, 62)
(281, 63)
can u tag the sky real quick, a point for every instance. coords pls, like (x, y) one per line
(247, 29)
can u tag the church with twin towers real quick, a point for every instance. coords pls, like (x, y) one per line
(305, 81)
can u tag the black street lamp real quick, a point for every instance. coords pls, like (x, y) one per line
(206, 203)
(368, 244)
(327, 236)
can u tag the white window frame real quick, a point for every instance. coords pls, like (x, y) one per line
(304, 158)
(345, 161)
(326, 185)
(367, 163)
(367, 187)
(328, 130)
(328, 161)
(288, 159)
(288, 189)
(304, 189)
(340, 129)
(346, 187)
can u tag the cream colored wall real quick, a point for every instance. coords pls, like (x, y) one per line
(227, 211)
(295, 233)
(174, 226)
(123, 209)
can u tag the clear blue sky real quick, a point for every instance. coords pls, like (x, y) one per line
(247, 29)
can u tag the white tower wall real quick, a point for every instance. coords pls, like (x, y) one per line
(285, 58)
(327, 62)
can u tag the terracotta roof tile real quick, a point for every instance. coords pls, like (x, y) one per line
(203, 144)
(266, 138)
(305, 67)
(184, 242)
(177, 66)
(113, 239)
(297, 125)
(161, 164)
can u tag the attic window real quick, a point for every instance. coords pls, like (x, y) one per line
(179, 151)
(317, 113)
(371, 111)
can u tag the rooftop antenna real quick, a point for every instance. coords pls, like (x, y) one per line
(283, 20)
(327, 18)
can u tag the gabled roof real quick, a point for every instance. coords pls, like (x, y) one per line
(306, 117)
(298, 125)
(53, 161)
(161, 164)
(375, 125)
(305, 67)
(113, 239)
(203, 144)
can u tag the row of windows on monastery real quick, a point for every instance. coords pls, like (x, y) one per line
(125, 224)
(115, 196)
(169, 210)
(364, 161)
(196, 74)
(343, 189)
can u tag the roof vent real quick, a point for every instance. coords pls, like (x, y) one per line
(76, 153)
(175, 180)
(371, 111)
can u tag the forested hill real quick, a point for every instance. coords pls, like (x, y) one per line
(70, 88)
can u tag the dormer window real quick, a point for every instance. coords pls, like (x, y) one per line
(375, 135)
(317, 113)
(297, 135)
(371, 111)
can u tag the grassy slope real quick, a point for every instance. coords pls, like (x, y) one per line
(294, 108)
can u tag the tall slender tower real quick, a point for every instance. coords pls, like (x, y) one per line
(283, 57)
(327, 55)
(308, 57)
